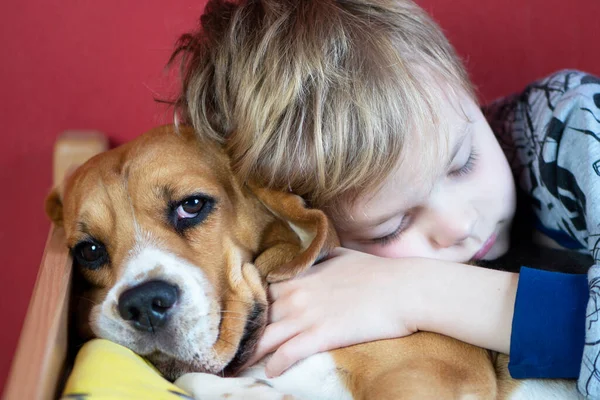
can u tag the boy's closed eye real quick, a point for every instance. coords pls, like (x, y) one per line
(465, 169)
(468, 166)
(390, 237)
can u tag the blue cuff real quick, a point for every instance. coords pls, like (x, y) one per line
(548, 328)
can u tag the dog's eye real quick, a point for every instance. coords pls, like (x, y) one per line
(190, 211)
(90, 254)
(190, 207)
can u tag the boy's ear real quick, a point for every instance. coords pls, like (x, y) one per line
(54, 206)
(299, 238)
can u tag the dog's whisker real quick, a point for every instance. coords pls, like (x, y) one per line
(250, 322)
(232, 312)
(87, 299)
(242, 315)
(212, 314)
(250, 303)
(232, 331)
(216, 356)
(225, 341)
(219, 359)
(242, 319)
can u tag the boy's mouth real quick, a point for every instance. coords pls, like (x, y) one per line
(487, 246)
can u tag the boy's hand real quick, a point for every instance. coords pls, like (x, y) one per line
(350, 298)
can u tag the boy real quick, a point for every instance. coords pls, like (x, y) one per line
(364, 109)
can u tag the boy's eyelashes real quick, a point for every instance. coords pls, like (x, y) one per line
(389, 238)
(465, 169)
(468, 166)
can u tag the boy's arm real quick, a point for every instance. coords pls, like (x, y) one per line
(468, 303)
(310, 314)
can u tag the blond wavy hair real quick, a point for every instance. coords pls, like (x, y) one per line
(319, 97)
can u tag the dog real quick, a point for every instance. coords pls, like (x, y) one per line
(177, 254)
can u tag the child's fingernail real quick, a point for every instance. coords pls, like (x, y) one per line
(271, 374)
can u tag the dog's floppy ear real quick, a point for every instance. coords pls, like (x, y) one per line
(299, 238)
(54, 206)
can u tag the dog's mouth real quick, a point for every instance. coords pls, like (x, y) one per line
(172, 368)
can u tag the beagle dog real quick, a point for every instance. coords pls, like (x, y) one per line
(177, 254)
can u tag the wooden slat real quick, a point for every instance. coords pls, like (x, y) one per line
(42, 348)
(73, 148)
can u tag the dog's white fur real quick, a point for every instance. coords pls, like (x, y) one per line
(191, 334)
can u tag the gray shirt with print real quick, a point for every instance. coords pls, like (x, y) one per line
(550, 134)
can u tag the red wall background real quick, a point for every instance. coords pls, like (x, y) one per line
(82, 64)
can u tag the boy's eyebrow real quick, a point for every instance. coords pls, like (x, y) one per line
(458, 143)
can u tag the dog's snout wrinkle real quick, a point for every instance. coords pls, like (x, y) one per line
(147, 305)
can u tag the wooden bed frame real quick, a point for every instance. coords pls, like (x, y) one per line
(41, 361)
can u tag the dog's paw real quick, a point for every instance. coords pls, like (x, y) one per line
(211, 387)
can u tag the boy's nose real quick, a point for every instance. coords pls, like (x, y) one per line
(451, 228)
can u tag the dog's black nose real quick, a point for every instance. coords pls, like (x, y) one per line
(147, 305)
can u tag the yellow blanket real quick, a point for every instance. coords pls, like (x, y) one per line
(105, 370)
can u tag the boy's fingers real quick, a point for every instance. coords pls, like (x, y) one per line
(292, 306)
(276, 290)
(298, 348)
(324, 262)
(277, 312)
(272, 338)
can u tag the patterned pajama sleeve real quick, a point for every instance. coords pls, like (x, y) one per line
(550, 134)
